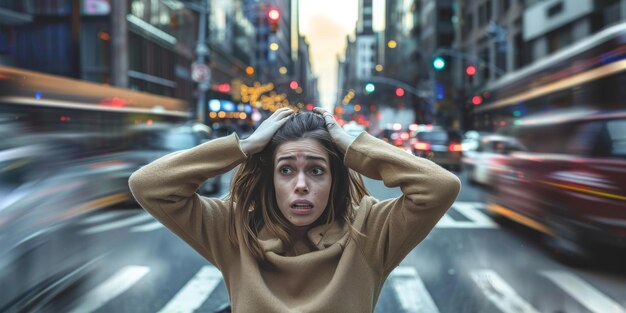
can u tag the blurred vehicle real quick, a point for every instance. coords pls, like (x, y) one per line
(63, 153)
(471, 139)
(51, 180)
(399, 138)
(353, 128)
(570, 183)
(150, 142)
(485, 161)
(439, 145)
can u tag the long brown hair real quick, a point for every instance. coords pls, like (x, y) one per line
(253, 197)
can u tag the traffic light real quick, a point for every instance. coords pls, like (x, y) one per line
(439, 63)
(369, 88)
(399, 92)
(293, 85)
(273, 17)
(477, 100)
(470, 70)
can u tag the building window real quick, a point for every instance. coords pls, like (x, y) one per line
(505, 5)
(482, 11)
(555, 9)
(470, 22)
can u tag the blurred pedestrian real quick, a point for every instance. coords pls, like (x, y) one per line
(298, 232)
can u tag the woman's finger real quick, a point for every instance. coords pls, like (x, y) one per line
(319, 110)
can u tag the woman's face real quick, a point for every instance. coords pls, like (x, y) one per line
(302, 180)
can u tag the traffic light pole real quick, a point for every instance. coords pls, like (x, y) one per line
(202, 50)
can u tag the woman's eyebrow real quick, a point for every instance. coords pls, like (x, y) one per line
(307, 157)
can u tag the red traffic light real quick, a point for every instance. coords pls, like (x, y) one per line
(273, 15)
(293, 85)
(470, 70)
(399, 92)
(477, 100)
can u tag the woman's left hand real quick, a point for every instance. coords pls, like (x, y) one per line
(341, 138)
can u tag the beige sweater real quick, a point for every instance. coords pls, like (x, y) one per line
(336, 274)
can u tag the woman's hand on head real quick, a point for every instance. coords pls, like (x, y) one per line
(341, 138)
(264, 133)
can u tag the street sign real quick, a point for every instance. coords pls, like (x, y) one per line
(200, 72)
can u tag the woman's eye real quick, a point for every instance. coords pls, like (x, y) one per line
(317, 171)
(285, 170)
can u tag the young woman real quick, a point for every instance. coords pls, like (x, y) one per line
(299, 232)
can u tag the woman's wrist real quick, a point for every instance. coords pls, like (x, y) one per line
(246, 146)
(344, 142)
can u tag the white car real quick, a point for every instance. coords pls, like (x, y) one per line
(353, 128)
(483, 162)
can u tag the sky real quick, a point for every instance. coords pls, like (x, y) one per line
(325, 23)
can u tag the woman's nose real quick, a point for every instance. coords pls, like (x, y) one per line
(301, 184)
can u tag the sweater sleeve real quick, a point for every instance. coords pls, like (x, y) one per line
(393, 227)
(166, 188)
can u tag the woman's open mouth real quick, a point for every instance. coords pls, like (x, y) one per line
(301, 207)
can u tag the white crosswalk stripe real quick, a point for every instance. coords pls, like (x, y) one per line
(476, 218)
(147, 227)
(584, 293)
(500, 293)
(411, 292)
(195, 292)
(117, 224)
(110, 289)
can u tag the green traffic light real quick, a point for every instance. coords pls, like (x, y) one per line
(439, 63)
(369, 88)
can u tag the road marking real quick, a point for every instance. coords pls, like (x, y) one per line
(477, 219)
(147, 227)
(195, 292)
(500, 293)
(410, 290)
(104, 217)
(110, 289)
(117, 224)
(587, 295)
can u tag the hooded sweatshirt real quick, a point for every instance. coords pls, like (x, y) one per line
(331, 271)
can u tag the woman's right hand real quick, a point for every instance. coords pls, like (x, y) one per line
(262, 135)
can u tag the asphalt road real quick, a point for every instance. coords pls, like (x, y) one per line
(468, 263)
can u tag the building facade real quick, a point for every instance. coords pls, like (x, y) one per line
(510, 41)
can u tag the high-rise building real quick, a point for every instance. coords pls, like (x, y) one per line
(366, 42)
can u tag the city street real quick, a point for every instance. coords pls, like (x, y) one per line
(523, 100)
(469, 263)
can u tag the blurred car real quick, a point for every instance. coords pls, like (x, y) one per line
(353, 128)
(570, 183)
(471, 139)
(150, 142)
(485, 161)
(399, 138)
(50, 179)
(439, 145)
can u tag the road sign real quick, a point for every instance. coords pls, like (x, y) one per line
(200, 72)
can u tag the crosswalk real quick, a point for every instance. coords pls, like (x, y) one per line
(462, 215)
(410, 291)
(497, 290)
